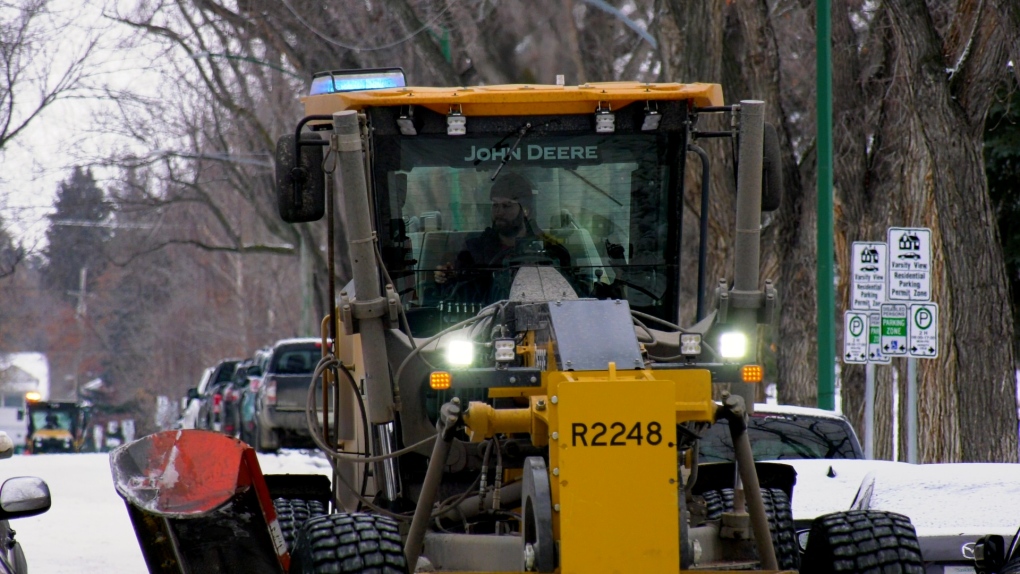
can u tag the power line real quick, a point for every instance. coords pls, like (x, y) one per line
(108, 224)
(340, 44)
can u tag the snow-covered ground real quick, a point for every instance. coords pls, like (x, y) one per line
(87, 529)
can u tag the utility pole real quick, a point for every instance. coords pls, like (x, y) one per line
(81, 310)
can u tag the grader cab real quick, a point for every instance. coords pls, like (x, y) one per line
(505, 383)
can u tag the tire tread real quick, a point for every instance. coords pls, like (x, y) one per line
(864, 542)
(349, 544)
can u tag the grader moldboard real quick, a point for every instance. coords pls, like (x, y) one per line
(534, 411)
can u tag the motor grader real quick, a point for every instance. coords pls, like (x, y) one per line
(505, 383)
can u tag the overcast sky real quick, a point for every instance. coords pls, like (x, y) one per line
(68, 132)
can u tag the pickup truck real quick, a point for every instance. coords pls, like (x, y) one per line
(280, 401)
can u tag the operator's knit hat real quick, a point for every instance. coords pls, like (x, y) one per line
(513, 186)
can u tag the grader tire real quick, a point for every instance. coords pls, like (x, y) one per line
(864, 542)
(779, 513)
(349, 544)
(292, 513)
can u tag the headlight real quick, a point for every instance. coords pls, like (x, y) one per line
(460, 353)
(733, 345)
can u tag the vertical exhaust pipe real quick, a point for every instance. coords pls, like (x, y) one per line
(747, 248)
(368, 295)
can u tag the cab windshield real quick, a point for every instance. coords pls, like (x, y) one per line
(51, 420)
(599, 210)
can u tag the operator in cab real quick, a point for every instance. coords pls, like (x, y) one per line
(513, 237)
(51, 422)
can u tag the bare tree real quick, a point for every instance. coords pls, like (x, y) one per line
(28, 82)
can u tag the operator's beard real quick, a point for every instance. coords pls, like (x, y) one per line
(510, 229)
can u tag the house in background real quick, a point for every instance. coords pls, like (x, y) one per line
(20, 374)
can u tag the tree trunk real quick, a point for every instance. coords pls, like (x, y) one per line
(917, 162)
(753, 60)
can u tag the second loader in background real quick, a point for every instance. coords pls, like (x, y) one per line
(57, 426)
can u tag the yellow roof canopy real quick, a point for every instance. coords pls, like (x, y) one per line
(516, 99)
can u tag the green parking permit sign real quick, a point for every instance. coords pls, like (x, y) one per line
(875, 354)
(923, 340)
(894, 329)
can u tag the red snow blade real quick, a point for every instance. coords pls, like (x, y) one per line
(199, 503)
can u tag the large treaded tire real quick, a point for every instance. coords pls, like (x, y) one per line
(349, 544)
(292, 513)
(863, 542)
(779, 513)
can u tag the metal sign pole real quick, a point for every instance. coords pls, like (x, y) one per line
(869, 411)
(912, 410)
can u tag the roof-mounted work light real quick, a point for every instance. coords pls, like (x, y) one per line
(605, 121)
(456, 123)
(405, 121)
(652, 117)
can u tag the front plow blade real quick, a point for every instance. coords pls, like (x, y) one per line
(199, 503)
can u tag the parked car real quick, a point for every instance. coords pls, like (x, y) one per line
(19, 497)
(788, 435)
(280, 401)
(191, 403)
(256, 372)
(210, 413)
(231, 402)
(996, 554)
(950, 505)
(782, 432)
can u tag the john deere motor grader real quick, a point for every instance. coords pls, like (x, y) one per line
(504, 384)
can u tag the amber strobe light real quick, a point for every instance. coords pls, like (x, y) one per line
(439, 380)
(752, 373)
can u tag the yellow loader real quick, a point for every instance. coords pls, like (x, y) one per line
(505, 383)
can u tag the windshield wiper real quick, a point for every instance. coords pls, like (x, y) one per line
(520, 135)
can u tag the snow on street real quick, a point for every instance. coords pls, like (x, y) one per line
(87, 529)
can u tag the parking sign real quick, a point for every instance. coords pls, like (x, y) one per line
(894, 329)
(923, 330)
(868, 269)
(855, 337)
(909, 275)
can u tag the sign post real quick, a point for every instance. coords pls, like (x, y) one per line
(910, 281)
(867, 293)
(890, 295)
(875, 357)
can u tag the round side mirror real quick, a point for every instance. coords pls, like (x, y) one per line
(23, 496)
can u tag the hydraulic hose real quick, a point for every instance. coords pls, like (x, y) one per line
(449, 420)
(734, 410)
(313, 424)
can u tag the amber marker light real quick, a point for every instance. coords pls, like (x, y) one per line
(752, 373)
(440, 380)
